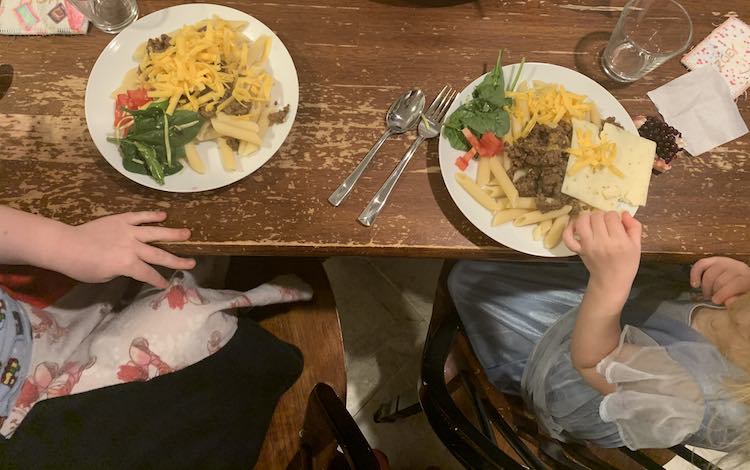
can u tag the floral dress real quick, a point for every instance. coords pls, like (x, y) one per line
(97, 335)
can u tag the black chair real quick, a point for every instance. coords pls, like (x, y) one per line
(494, 431)
(326, 421)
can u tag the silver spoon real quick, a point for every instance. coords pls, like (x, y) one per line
(402, 116)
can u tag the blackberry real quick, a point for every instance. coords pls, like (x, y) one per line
(664, 135)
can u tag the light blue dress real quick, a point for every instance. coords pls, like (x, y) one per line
(519, 319)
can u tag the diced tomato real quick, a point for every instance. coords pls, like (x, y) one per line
(138, 97)
(491, 145)
(132, 99)
(120, 102)
(462, 164)
(472, 140)
(469, 155)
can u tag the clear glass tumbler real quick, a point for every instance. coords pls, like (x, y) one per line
(648, 33)
(111, 16)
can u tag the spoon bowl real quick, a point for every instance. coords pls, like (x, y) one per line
(404, 112)
(401, 116)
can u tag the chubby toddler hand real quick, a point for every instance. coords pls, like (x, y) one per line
(722, 279)
(119, 245)
(609, 245)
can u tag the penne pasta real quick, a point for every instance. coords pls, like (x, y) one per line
(541, 229)
(476, 192)
(254, 113)
(507, 215)
(207, 132)
(507, 163)
(241, 123)
(508, 137)
(483, 172)
(502, 203)
(194, 159)
(525, 203)
(227, 155)
(246, 148)
(516, 127)
(537, 216)
(494, 191)
(553, 237)
(230, 130)
(263, 122)
(502, 178)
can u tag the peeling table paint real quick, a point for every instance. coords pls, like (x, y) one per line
(353, 59)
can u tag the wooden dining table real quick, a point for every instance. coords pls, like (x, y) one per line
(353, 58)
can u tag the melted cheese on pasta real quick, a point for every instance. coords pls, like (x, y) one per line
(205, 64)
(547, 104)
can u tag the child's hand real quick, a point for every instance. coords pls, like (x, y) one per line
(609, 245)
(722, 279)
(118, 245)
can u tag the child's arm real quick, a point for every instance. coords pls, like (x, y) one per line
(96, 251)
(610, 247)
(723, 279)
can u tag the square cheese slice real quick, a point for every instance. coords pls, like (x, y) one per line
(603, 189)
(586, 185)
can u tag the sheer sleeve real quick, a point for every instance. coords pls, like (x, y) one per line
(658, 403)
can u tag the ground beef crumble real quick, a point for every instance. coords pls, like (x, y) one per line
(159, 44)
(279, 116)
(233, 143)
(539, 162)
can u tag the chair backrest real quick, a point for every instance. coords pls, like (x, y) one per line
(326, 421)
(475, 445)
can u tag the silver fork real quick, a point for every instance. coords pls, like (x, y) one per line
(429, 127)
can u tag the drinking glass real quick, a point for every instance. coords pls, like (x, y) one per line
(111, 16)
(648, 33)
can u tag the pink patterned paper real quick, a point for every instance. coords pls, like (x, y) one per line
(727, 49)
(41, 17)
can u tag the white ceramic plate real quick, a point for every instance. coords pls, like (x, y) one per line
(520, 238)
(117, 58)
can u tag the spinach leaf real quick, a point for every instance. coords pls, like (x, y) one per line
(183, 127)
(483, 113)
(130, 159)
(159, 105)
(479, 116)
(151, 137)
(456, 138)
(161, 156)
(155, 167)
(479, 123)
(144, 151)
(145, 120)
(492, 88)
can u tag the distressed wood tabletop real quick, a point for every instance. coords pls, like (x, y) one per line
(354, 57)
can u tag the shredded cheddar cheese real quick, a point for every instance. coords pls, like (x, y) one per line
(205, 65)
(597, 155)
(546, 104)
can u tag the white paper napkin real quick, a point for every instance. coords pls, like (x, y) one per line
(700, 106)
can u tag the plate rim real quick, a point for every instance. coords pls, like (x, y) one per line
(290, 90)
(448, 178)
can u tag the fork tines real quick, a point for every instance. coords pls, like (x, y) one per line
(442, 102)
